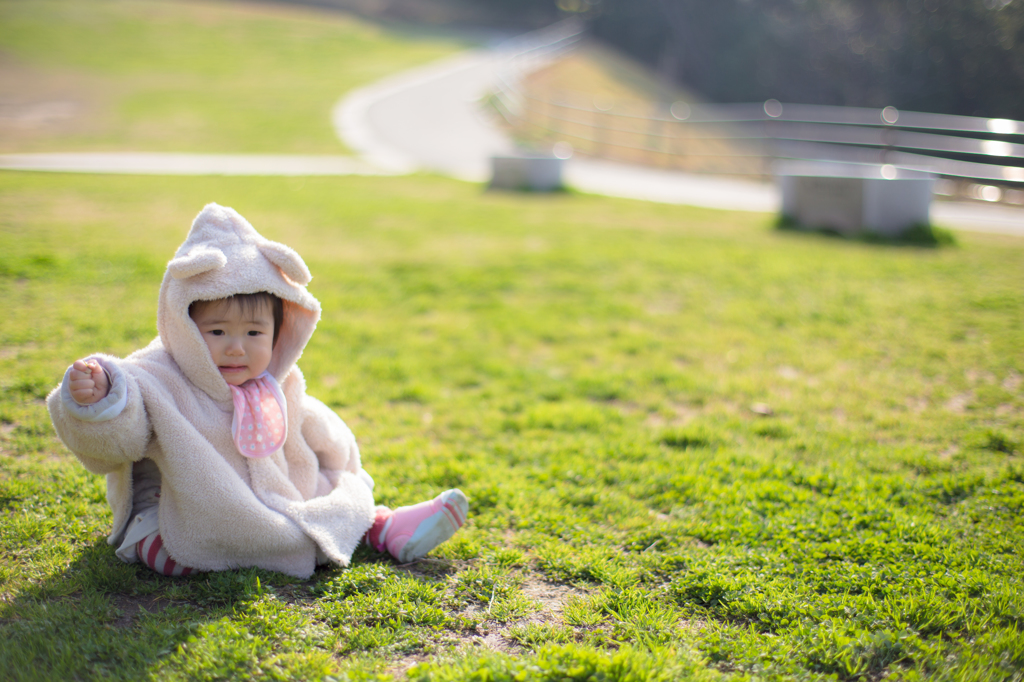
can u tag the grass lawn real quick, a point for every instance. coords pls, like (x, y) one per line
(154, 75)
(696, 447)
(591, 372)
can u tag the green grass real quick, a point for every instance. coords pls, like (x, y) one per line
(696, 446)
(195, 77)
(585, 369)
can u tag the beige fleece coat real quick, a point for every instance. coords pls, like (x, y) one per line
(168, 402)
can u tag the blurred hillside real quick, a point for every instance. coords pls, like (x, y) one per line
(595, 85)
(208, 77)
(945, 56)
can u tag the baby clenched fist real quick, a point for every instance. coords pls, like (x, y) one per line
(89, 383)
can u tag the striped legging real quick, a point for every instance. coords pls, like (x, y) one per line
(152, 553)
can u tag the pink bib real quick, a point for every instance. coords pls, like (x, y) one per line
(259, 426)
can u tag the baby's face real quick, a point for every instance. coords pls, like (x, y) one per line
(240, 344)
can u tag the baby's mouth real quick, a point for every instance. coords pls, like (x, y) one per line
(232, 368)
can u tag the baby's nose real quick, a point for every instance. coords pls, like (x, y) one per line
(235, 348)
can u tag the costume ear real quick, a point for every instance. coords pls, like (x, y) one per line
(290, 262)
(197, 261)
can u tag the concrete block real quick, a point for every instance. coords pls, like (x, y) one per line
(854, 198)
(538, 173)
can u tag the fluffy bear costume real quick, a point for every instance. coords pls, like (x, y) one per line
(168, 402)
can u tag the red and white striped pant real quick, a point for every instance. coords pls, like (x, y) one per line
(152, 553)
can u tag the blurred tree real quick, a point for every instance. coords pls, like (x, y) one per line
(947, 56)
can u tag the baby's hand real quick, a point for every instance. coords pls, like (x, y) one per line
(88, 382)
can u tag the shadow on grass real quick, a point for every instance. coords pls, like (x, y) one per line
(920, 235)
(103, 618)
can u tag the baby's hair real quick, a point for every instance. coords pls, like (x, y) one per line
(249, 303)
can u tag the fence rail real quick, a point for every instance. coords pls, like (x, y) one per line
(748, 138)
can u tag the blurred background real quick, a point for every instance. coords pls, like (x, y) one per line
(943, 56)
(722, 88)
(732, 87)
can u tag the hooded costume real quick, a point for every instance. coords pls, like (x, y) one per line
(169, 403)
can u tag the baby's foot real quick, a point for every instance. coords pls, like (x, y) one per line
(410, 533)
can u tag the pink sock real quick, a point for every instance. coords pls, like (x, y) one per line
(410, 533)
(373, 536)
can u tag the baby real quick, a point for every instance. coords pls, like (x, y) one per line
(215, 456)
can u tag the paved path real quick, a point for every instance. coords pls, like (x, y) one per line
(426, 119)
(142, 163)
(671, 187)
(431, 118)
(973, 217)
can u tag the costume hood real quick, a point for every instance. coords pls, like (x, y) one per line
(223, 255)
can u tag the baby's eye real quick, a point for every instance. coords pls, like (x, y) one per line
(253, 332)
(217, 332)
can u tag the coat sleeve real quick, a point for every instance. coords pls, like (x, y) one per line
(109, 433)
(329, 437)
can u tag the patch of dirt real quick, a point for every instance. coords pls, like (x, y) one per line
(787, 372)
(1005, 409)
(917, 405)
(439, 13)
(664, 305)
(30, 115)
(37, 104)
(682, 415)
(976, 376)
(131, 607)
(434, 567)
(400, 670)
(958, 403)
(1012, 381)
(550, 596)
(13, 351)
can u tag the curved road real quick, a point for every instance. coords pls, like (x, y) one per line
(433, 119)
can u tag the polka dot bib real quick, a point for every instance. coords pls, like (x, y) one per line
(259, 426)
